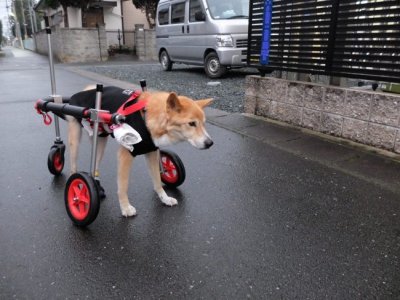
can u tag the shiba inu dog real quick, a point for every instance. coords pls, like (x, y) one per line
(167, 119)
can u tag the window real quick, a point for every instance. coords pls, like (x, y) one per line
(163, 16)
(194, 7)
(178, 13)
(233, 9)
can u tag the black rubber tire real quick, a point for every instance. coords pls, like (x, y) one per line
(174, 170)
(81, 199)
(55, 159)
(165, 61)
(213, 67)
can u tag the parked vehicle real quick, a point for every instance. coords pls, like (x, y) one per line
(212, 33)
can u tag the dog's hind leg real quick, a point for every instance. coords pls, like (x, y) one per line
(101, 146)
(124, 168)
(74, 137)
(153, 162)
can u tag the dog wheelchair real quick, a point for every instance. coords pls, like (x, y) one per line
(82, 190)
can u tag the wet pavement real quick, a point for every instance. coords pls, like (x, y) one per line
(269, 212)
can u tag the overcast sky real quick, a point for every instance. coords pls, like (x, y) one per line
(3, 14)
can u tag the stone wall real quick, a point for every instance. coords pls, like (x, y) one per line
(367, 117)
(41, 42)
(145, 43)
(82, 44)
(75, 44)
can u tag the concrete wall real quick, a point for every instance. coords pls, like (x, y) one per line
(75, 44)
(145, 43)
(82, 44)
(367, 117)
(41, 42)
(29, 44)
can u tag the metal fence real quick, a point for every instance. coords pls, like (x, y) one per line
(116, 38)
(344, 38)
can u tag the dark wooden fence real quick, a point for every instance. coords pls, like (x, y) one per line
(345, 38)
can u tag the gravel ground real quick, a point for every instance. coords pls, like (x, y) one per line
(186, 80)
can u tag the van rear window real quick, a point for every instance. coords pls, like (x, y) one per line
(163, 16)
(178, 13)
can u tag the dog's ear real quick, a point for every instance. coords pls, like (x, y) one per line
(204, 102)
(173, 103)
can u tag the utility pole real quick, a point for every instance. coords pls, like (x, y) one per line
(23, 20)
(17, 26)
(31, 13)
(9, 20)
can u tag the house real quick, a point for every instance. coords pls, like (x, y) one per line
(132, 16)
(84, 35)
(118, 18)
(100, 12)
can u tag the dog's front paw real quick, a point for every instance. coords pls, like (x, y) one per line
(169, 201)
(128, 211)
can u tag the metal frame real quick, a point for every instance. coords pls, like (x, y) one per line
(57, 99)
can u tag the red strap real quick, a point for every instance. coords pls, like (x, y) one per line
(46, 117)
(123, 110)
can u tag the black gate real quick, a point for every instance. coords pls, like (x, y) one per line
(345, 38)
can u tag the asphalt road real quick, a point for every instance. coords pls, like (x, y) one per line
(266, 213)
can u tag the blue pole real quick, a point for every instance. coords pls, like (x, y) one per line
(266, 36)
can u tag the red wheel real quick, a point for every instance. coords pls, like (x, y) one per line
(81, 199)
(55, 160)
(173, 173)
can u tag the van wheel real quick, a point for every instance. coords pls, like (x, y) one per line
(166, 63)
(213, 67)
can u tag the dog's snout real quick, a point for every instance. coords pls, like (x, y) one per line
(208, 143)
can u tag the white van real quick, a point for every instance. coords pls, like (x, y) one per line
(212, 33)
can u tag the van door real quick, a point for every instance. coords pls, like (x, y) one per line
(196, 31)
(176, 31)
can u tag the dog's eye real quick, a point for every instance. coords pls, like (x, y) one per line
(192, 124)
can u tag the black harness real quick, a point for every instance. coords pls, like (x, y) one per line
(112, 99)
